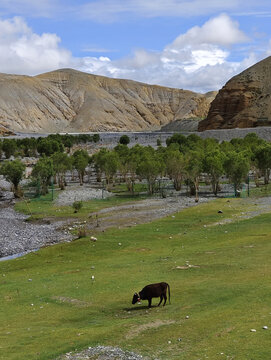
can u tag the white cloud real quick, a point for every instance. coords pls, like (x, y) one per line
(220, 30)
(33, 8)
(196, 60)
(24, 52)
(112, 10)
(115, 10)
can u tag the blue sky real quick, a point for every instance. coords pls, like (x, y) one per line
(196, 45)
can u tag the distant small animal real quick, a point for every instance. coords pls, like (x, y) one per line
(152, 291)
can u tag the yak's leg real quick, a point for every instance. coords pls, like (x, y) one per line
(161, 299)
(149, 300)
(165, 297)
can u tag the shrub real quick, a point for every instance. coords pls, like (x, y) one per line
(124, 140)
(77, 205)
(82, 233)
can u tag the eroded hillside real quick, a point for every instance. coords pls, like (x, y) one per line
(69, 101)
(244, 102)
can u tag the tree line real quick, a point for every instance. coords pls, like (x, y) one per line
(184, 160)
(33, 147)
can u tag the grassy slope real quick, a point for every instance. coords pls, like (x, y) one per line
(225, 297)
(39, 209)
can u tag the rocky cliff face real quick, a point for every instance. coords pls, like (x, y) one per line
(71, 101)
(245, 100)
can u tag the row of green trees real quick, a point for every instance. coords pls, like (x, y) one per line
(184, 160)
(43, 145)
(187, 160)
(47, 168)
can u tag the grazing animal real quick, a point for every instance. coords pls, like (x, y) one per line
(151, 291)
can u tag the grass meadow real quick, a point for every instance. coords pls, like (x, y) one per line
(50, 304)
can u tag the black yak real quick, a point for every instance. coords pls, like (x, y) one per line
(153, 290)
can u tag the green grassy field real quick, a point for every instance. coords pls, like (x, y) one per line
(50, 305)
(43, 207)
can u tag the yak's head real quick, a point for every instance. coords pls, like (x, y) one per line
(136, 298)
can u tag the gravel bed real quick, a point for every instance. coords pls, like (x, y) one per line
(4, 185)
(71, 194)
(102, 353)
(18, 236)
(142, 211)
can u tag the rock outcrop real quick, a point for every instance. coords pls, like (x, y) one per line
(244, 102)
(72, 101)
(5, 132)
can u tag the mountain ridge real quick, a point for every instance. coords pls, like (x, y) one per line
(244, 101)
(68, 100)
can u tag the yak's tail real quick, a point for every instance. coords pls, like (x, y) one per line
(168, 293)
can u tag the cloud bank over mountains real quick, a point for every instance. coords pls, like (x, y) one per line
(197, 59)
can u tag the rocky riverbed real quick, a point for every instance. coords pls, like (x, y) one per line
(102, 353)
(18, 236)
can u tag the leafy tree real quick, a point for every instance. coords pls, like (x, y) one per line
(123, 155)
(175, 167)
(96, 138)
(61, 164)
(48, 146)
(237, 166)
(150, 167)
(124, 140)
(158, 142)
(42, 172)
(77, 205)
(68, 141)
(129, 159)
(28, 146)
(9, 147)
(194, 169)
(111, 165)
(210, 144)
(132, 161)
(179, 139)
(214, 165)
(13, 172)
(263, 160)
(252, 141)
(226, 147)
(238, 144)
(99, 163)
(80, 160)
(108, 162)
(194, 142)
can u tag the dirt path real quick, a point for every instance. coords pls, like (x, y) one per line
(141, 212)
(255, 207)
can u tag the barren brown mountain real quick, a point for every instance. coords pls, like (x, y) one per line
(72, 101)
(245, 100)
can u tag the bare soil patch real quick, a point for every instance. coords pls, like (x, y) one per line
(143, 327)
(75, 302)
(141, 212)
